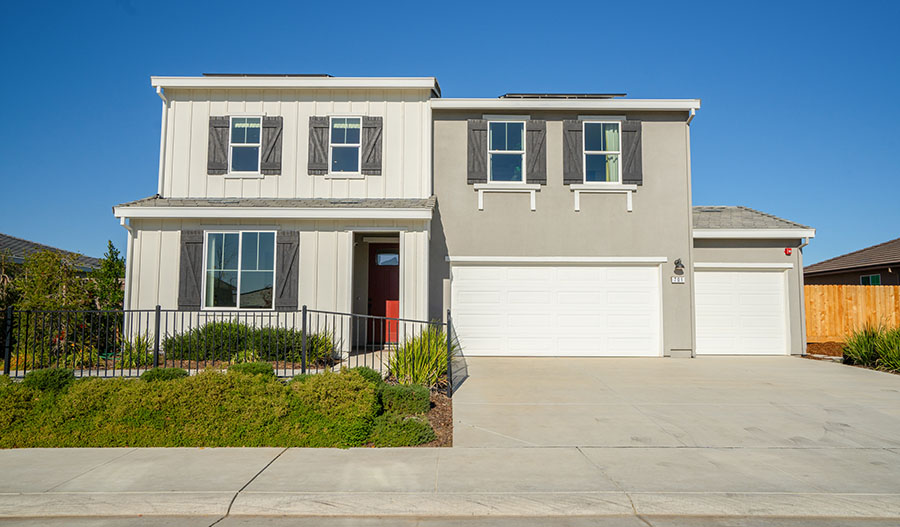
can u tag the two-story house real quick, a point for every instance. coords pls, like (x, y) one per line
(548, 224)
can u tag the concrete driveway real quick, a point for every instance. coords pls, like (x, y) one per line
(708, 402)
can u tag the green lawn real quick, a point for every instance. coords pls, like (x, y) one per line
(211, 409)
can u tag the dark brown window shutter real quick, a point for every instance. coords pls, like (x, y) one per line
(477, 151)
(318, 145)
(573, 150)
(633, 167)
(272, 129)
(536, 152)
(371, 145)
(190, 276)
(217, 154)
(287, 271)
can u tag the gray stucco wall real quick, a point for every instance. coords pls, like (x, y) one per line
(658, 226)
(765, 251)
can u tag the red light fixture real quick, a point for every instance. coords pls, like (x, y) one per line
(787, 251)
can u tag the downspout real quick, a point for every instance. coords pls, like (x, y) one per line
(803, 343)
(162, 139)
(691, 116)
(126, 304)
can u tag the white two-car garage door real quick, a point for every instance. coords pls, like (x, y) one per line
(567, 310)
(741, 312)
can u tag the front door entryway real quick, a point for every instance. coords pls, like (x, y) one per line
(384, 291)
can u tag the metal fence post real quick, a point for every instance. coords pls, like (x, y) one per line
(156, 337)
(303, 340)
(449, 357)
(7, 341)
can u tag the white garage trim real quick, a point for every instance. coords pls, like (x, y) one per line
(516, 308)
(540, 260)
(742, 309)
(736, 266)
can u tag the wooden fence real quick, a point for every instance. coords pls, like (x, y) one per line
(835, 311)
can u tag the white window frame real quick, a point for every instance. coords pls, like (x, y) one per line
(523, 152)
(331, 146)
(258, 145)
(240, 234)
(585, 152)
(869, 276)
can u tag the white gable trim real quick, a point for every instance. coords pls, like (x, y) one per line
(312, 213)
(791, 234)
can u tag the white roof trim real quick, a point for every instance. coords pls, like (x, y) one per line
(425, 83)
(791, 234)
(524, 260)
(683, 105)
(315, 213)
(758, 266)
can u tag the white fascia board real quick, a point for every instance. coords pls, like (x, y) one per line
(544, 260)
(682, 105)
(756, 234)
(424, 83)
(740, 266)
(336, 213)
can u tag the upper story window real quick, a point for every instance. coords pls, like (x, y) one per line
(602, 152)
(506, 151)
(244, 144)
(345, 142)
(240, 270)
(870, 279)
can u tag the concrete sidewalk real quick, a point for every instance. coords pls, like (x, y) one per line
(458, 482)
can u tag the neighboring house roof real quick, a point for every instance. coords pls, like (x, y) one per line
(362, 203)
(739, 218)
(19, 248)
(887, 253)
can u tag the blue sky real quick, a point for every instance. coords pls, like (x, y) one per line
(800, 108)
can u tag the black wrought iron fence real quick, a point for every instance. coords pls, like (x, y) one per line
(125, 343)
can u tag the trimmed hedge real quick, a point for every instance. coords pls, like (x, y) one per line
(253, 368)
(401, 399)
(163, 374)
(369, 374)
(239, 342)
(398, 430)
(49, 380)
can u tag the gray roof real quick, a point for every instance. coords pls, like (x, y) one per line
(887, 253)
(739, 218)
(362, 203)
(18, 248)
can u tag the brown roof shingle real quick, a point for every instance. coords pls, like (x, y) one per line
(886, 253)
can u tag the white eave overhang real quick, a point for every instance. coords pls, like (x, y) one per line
(275, 213)
(757, 234)
(670, 105)
(256, 82)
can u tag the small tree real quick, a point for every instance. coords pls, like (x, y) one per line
(108, 279)
(51, 280)
(8, 270)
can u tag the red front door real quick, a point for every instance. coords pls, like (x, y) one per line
(384, 290)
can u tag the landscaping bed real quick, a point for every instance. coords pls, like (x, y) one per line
(830, 349)
(244, 407)
(874, 347)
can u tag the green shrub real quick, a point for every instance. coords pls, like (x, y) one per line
(252, 368)
(402, 399)
(163, 374)
(887, 349)
(396, 430)
(369, 374)
(859, 347)
(302, 377)
(423, 359)
(338, 407)
(224, 341)
(137, 353)
(50, 379)
(245, 356)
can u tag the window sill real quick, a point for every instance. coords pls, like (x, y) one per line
(348, 175)
(530, 188)
(603, 188)
(249, 175)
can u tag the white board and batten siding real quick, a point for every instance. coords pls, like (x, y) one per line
(325, 261)
(741, 311)
(406, 143)
(557, 310)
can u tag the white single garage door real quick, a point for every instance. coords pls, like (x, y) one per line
(741, 312)
(545, 310)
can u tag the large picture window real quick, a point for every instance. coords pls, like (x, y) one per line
(244, 145)
(506, 151)
(345, 141)
(602, 152)
(240, 270)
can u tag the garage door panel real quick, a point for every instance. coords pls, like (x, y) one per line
(740, 312)
(557, 310)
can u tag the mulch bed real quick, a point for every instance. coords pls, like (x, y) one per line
(441, 419)
(831, 349)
